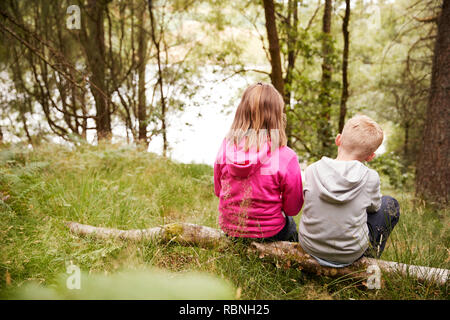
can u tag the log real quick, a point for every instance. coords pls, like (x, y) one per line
(182, 233)
(291, 254)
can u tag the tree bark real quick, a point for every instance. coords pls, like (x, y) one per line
(344, 96)
(142, 104)
(433, 170)
(288, 253)
(292, 34)
(406, 142)
(274, 46)
(157, 43)
(291, 253)
(324, 128)
(182, 233)
(94, 45)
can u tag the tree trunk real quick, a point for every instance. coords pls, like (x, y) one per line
(65, 87)
(433, 170)
(288, 253)
(142, 105)
(324, 128)
(94, 43)
(274, 46)
(182, 233)
(157, 43)
(292, 34)
(292, 254)
(344, 96)
(406, 142)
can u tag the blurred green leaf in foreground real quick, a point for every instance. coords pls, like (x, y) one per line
(150, 284)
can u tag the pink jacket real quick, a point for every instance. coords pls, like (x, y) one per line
(254, 188)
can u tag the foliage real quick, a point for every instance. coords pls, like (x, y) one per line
(133, 284)
(390, 166)
(57, 80)
(389, 66)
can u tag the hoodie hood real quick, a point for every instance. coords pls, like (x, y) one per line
(339, 181)
(241, 163)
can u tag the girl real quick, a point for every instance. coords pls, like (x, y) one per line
(256, 176)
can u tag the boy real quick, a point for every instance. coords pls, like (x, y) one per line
(344, 212)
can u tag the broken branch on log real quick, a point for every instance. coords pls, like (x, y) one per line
(291, 253)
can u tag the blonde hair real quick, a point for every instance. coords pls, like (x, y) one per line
(259, 118)
(361, 136)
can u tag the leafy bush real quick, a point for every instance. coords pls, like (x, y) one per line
(391, 166)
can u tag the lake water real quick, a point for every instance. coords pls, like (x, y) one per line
(195, 134)
(208, 123)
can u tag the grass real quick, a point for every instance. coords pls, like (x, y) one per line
(122, 187)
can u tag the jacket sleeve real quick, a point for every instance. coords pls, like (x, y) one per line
(217, 174)
(292, 189)
(218, 165)
(373, 190)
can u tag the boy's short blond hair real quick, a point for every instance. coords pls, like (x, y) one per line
(361, 136)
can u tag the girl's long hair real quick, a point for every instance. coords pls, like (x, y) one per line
(259, 118)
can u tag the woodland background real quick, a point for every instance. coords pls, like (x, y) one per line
(79, 108)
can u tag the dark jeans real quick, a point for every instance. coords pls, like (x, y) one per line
(380, 225)
(288, 233)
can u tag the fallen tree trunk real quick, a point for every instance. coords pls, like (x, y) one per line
(182, 233)
(288, 253)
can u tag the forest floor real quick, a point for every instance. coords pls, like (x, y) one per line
(122, 187)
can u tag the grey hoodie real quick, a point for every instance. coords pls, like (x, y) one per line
(338, 194)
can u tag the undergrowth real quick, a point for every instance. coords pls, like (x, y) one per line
(122, 187)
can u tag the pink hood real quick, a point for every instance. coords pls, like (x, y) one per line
(242, 163)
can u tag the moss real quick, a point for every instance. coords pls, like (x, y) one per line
(173, 230)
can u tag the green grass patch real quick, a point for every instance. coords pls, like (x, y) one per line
(122, 187)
